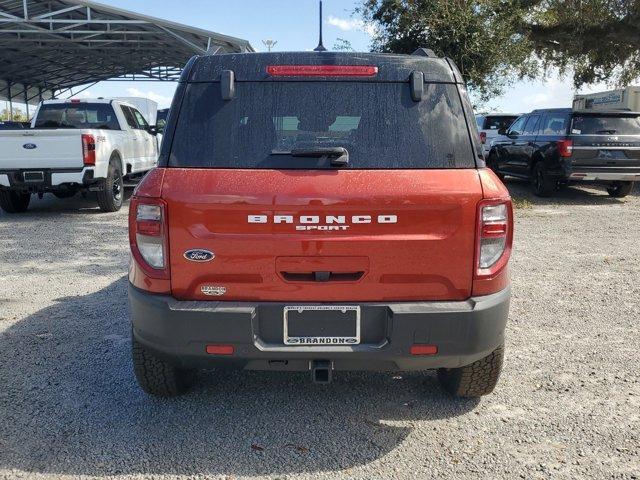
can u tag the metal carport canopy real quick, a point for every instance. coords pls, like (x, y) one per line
(50, 46)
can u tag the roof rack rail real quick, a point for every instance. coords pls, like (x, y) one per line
(425, 52)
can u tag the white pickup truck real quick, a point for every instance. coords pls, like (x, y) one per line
(76, 145)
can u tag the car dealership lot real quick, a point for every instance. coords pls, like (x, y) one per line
(566, 406)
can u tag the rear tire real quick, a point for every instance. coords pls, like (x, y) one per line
(542, 185)
(475, 380)
(620, 189)
(157, 377)
(111, 195)
(14, 202)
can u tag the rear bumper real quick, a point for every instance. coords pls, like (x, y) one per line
(179, 331)
(604, 175)
(572, 170)
(52, 179)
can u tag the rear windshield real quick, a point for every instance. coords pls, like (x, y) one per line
(605, 125)
(379, 125)
(82, 115)
(498, 122)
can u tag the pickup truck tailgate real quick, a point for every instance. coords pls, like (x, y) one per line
(51, 149)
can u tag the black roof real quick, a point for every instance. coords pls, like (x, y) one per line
(552, 110)
(391, 67)
(50, 45)
(585, 112)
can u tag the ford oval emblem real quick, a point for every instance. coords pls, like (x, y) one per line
(29, 146)
(199, 255)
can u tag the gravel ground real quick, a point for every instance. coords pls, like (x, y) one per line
(568, 404)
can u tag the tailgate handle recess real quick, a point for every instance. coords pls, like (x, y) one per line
(322, 276)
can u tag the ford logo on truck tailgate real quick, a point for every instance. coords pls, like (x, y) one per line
(29, 146)
(198, 255)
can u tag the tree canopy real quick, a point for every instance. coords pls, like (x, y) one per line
(495, 42)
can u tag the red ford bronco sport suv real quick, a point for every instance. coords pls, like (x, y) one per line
(320, 212)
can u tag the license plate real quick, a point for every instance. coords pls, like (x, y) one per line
(612, 154)
(33, 176)
(321, 325)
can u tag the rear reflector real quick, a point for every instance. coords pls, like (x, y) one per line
(322, 70)
(220, 349)
(483, 137)
(423, 349)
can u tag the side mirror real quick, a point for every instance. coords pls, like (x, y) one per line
(153, 129)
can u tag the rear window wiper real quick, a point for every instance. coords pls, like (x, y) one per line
(339, 156)
(609, 132)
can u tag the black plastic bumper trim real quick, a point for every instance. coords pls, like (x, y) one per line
(178, 331)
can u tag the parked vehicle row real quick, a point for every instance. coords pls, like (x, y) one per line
(73, 146)
(9, 125)
(555, 147)
(490, 124)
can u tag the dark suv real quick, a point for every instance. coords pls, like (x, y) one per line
(553, 147)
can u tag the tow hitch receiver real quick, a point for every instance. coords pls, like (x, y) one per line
(321, 371)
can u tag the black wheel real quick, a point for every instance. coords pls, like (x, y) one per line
(492, 163)
(111, 195)
(157, 377)
(14, 202)
(620, 189)
(542, 185)
(63, 194)
(475, 380)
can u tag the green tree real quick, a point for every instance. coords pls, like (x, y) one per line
(495, 42)
(18, 115)
(342, 45)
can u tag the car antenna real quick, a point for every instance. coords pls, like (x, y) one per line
(320, 47)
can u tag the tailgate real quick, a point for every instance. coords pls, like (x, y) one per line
(347, 235)
(610, 152)
(605, 140)
(50, 149)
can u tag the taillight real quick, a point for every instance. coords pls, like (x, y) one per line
(483, 137)
(565, 148)
(148, 235)
(88, 149)
(495, 237)
(322, 70)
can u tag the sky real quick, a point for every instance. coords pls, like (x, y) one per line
(294, 25)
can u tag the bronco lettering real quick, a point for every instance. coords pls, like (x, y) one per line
(328, 222)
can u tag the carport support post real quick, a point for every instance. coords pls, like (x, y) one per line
(26, 100)
(10, 102)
